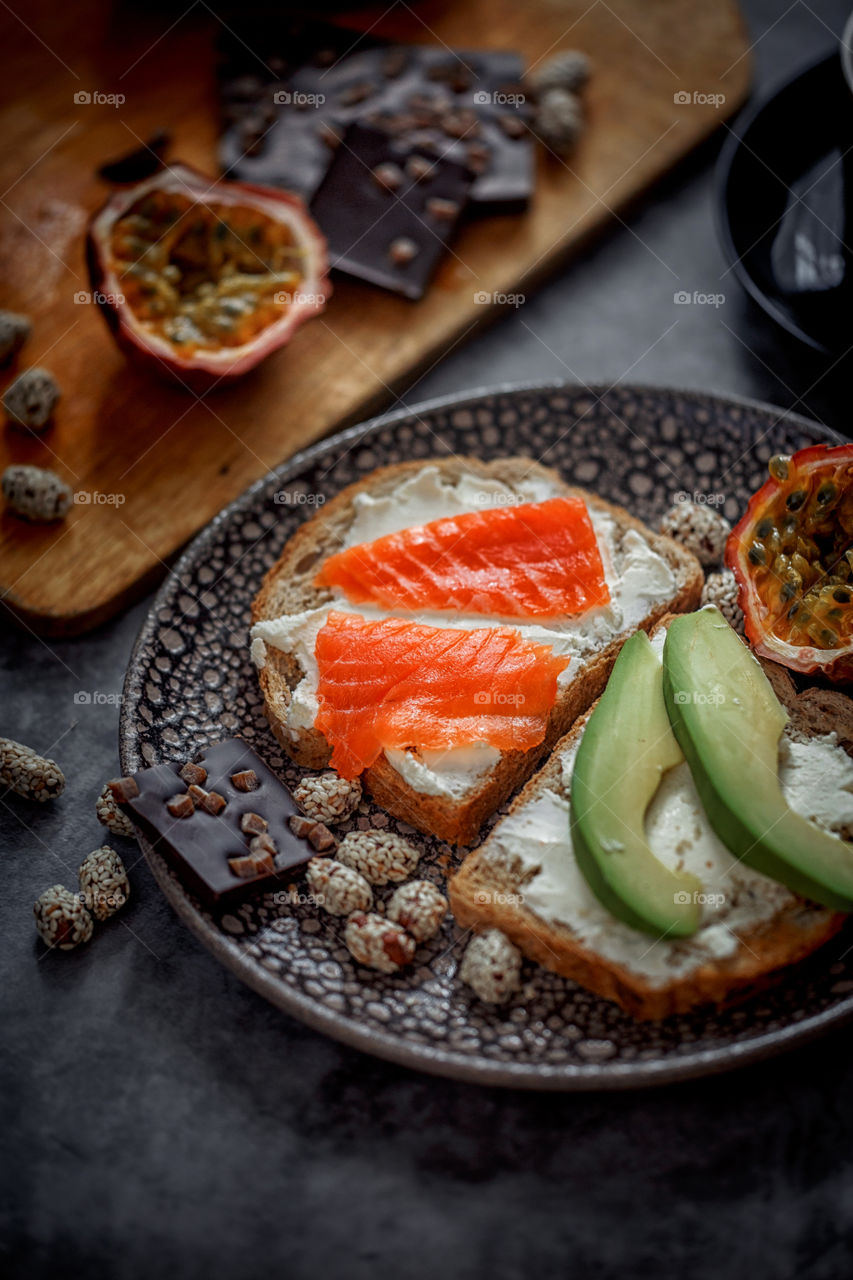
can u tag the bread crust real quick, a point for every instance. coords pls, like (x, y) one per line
(288, 587)
(769, 947)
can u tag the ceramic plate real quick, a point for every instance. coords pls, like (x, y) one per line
(190, 683)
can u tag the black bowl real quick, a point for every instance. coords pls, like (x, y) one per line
(771, 145)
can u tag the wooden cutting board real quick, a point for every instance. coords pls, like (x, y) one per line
(175, 461)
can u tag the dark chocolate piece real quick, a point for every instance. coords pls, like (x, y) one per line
(202, 847)
(421, 94)
(386, 237)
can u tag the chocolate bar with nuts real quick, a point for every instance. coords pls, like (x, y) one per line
(284, 120)
(387, 211)
(227, 835)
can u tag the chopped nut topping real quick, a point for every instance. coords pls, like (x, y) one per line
(301, 826)
(123, 789)
(213, 803)
(181, 806)
(193, 774)
(388, 176)
(402, 251)
(436, 207)
(253, 824)
(246, 780)
(263, 844)
(321, 838)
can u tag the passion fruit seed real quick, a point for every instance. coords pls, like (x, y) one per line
(795, 500)
(764, 527)
(826, 493)
(757, 554)
(841, 595)
(778, 466)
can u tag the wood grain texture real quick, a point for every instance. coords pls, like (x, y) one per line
(176, 460)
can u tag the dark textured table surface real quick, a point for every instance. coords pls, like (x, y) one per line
(159, 1118)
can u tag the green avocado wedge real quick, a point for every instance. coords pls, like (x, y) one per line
(728, 722)
(626, 747)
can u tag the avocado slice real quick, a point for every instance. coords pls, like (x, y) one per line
(626, 747)
(728, 722)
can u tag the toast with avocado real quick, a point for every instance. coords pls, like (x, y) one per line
(687, 839)
(355, 539)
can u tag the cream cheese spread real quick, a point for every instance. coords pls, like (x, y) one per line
(817, 781)
(636, 575)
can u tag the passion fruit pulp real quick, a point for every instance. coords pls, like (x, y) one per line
(204, 279)
(792, 555)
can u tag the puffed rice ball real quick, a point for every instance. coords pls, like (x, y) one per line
(699, 528)
(380, 856)
(328, 797)
(338, 889)
(721, 589)
(27, 773)
(419, 908)
(569, 69)
(111, 815)
(36, 494)
(378, 943)
(491, 966)
(103, 882)
(14, 331)
(62, 919)
(31, 399)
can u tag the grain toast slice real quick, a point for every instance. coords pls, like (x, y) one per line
(488, 892)
(288, 588)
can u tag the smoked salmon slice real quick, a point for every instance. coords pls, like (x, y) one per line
(395, 683)
(534, 560)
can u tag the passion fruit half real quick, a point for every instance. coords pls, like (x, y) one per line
(792, 555)
(202, 278)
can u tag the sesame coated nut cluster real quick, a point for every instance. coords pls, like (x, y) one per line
(62, 919)
(111, 816)
(419, 908)
(377, 942)
(29, 774)
(338, 889)
(381, 857)
(699, 528)
(104, 885)
(328, 798)
(721, 589)
(491, 966)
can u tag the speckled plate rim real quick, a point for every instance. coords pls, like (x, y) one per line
(567, 1076)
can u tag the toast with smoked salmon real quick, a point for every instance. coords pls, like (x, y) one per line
(445, 791)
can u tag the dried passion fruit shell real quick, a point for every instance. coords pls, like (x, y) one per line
(201, 278)
(791, 554)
